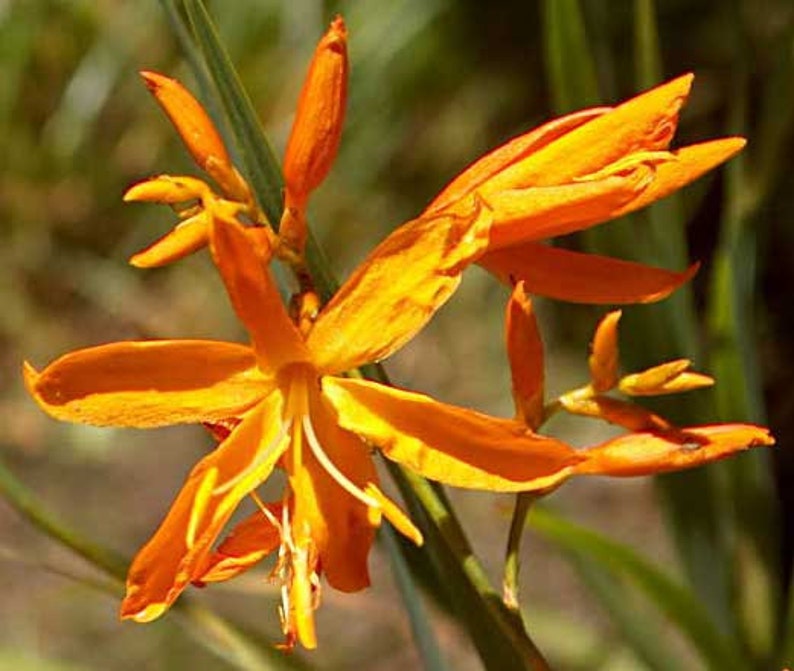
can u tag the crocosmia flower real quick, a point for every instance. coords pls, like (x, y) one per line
(287, 407)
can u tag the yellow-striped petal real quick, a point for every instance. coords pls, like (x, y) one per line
(255, 297)
(453, 445)
(247, 544)
(508, 154)
(169, 561)
(150, 383)
(396, 290)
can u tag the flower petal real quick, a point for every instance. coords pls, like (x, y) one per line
(396, 290)
(690, 163)
(659, 452)
(255, 296)
(646, 122)
(538, 213)
(248, 543)
(453, 445)
(582, 278)
(507, 154)
(341, 526)
(525, 352)
(152, 383)
(173, 557)
(188, 237)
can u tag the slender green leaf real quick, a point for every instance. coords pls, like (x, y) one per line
(421, 628)
(738, 395)
(569, 61)
(670, 330)
(260, 162)
(679, 604)
(212, 631)
(497, 633)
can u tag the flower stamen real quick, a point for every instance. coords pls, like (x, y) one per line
(331, 468)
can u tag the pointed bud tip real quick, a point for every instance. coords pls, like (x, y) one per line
(153, 80)
(338, 29)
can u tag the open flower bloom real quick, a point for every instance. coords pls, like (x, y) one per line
(288, 407)
(311, 149)
(575, 172)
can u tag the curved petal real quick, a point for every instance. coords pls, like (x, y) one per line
(341, 526)
(178, 549)
(453, 445)
(248, 543)
(396, 290)
(689, 163)
(151, 383)
(525, 353)
(582, 278)
(646, 122)
(255, 297)
(186, 238)
(538, 213)
(507, 154)
(659, 452)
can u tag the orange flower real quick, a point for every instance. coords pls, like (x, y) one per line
(288, 407)
(578, 171)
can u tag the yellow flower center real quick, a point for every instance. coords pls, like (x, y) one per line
(301, 381)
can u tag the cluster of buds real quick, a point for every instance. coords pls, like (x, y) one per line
(593, 399)
(311, 149)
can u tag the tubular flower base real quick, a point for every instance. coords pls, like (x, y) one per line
(288, 409)
(578, 171)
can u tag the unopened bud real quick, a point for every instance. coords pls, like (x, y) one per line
(667, 378)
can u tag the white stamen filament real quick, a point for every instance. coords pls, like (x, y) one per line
(260, 458)
(333, 471)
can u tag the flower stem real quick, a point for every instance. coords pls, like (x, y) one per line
(510, 584)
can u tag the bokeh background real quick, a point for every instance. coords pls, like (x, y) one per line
(434, 84)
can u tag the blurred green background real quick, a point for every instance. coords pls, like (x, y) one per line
(434, 84)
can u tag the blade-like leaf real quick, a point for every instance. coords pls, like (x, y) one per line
(569, 62)
(260, 162)
(497, 633)
(209, 629)
(678, 604)
(421, 627)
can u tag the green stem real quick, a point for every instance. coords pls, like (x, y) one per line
(510, 584)
(26, 504)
